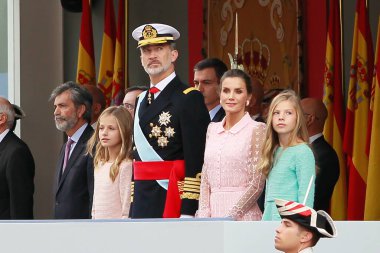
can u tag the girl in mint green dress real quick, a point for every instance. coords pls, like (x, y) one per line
(287, 159)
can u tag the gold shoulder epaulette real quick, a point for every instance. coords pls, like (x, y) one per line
(188, 90)
(190, 187)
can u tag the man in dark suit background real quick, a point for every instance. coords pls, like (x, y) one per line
(74, 182)
(170, 127)
(207, 74)
(16, 169)
(325, 156)
(98, 103)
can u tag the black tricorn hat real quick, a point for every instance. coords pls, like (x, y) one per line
(19, 113)
(72, 5)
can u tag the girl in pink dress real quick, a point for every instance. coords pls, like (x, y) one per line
(231, 182)
(112, 142)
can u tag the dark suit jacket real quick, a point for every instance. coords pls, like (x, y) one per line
(327, 175)
(219, 115)
(16, 179)
(189, 119)
(74, 188)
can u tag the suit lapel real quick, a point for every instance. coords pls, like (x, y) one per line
(143, 104)
(78, 150)
(58, 171)
(162, 101)
(219, 115)
(4, 142)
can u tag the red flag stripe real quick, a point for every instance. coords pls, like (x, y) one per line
(109, 19)
(195, 34)
(334, 35)
(86, 29)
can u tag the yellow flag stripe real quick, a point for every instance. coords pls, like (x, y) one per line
(85, 67)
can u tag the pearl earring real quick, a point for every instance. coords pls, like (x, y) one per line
(247, 103)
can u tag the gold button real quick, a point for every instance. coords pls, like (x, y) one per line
(134, 147)
(151, 124)
(150, 136)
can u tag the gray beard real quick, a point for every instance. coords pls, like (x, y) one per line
(157, 71)
(65, 125)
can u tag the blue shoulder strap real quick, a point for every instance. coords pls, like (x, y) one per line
(145, 150)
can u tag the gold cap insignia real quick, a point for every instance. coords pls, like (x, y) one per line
(149, 32)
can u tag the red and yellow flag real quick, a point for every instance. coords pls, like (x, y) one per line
(86, 58)
(372, 203)
(333, 99)
(118, 84)
(357, 112)
(108, 52)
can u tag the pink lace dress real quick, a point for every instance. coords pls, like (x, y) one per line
(231, 182)
(112, 200)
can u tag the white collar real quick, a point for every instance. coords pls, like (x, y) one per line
(161, 85)
(75, 137)
(307, 250)
(214, 110)
(254, 117)
(3, 134)
(314, 137)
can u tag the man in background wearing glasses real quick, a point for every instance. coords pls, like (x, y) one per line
(130, 98)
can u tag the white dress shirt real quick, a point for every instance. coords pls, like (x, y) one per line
(162, 84)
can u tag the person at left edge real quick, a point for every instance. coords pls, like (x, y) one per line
(170, 127)
(16, 169)
(74, 180)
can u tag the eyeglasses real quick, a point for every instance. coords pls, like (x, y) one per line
(129, 106)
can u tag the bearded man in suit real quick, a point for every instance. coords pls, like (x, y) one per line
(74, 181)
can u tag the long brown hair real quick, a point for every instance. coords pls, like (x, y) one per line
(101, 154)
(271, 137)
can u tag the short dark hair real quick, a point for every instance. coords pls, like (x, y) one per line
(315, 238)
(215, 63)
(79, 96)
(240, 74)
(136, 87)
(315, 235)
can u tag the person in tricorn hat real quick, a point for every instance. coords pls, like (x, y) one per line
(170, 127)
(301, 227)
(19, 114)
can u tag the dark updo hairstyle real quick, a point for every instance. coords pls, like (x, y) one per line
(240, 74)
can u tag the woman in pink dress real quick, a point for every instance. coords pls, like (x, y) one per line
(231, 181)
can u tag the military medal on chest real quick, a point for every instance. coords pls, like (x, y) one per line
(164, 118)
(163, 131)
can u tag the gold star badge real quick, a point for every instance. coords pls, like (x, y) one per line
(162, 141)
(169, 132)
(156, 131)
(164, 118)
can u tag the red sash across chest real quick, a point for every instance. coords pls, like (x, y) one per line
(158, 170)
